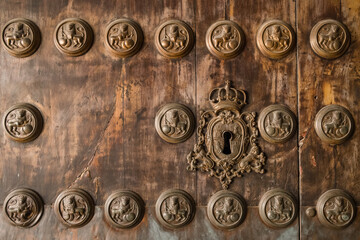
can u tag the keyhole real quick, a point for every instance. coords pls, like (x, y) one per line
(227, 137)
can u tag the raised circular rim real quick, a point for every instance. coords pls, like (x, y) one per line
(262, 207)
(34, 44)
(260, 43)
(261, 122)
(139, 39)
(36, 198)
(39, 122)
(318, 120)
(316, 47)
(76, 191)
(161, 113)
(321, 204)
(183, 194)
(86, 46)
(215, 198)
(182, 53)
(220, 54)
(133, 195)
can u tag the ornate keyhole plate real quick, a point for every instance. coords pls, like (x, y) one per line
(336, 208)
(124, 37)
(175, 208)
(275, 39)
(225, 39)
(21, 37)
(23, 122)
(124, 209)
(23, 207)
(74, 207)
(226, 209)
(227, 139)
(73, 37)
(334, 124)
(174, 39)
(329, 39)
(278, 208)
(174, 122)
(277, 124)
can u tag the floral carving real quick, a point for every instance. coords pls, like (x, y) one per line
(226, 146)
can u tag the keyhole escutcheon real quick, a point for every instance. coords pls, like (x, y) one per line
(227, 137)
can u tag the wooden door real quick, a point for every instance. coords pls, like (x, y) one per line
(99, 115)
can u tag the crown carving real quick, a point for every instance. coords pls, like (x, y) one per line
(227, 97)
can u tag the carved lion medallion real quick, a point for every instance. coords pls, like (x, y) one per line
(174, 39)
(275, 39)
(23, 122)
(124, 209)
(227, 138)
(74, 207)
(226, 209)
(277, 123)
(278, 208)
(174, 122)
(329, 39)
(335, 208)
(334, 124)
(175, 208)
(21, 37)
(124, 37)
(73, 37)
(225, 39)
(23, 207)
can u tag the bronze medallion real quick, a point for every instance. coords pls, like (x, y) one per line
(336, 209)
(175, 208)
(225, 39)
(275, 39)
(124, 37)
(73, 37)
(124, 209)
(334, 124)
(278, 208)
(226, 209)
(74, 207)
(277, 123)
(329, 39)
(23, 207)
(23, 122)
(174, 122)
(174, 39)
(21, 37)
(227, 138)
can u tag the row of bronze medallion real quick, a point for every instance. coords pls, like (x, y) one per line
(176, 208)
(174, 38)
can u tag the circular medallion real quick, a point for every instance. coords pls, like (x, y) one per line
(329, 39)
(174, 39)
(124, 37)
(226, 209)
(174, 122)
(124, 209)
(21, 37)
(275, 39)
(335, 208)
(277, 208)
(175, 208)
(334, 124)
(225, 39)
(73, 37)
(74, 207)
(23, 122)
(277, 123)
(23, 207)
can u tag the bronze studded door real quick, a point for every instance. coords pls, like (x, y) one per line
(201, 119)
